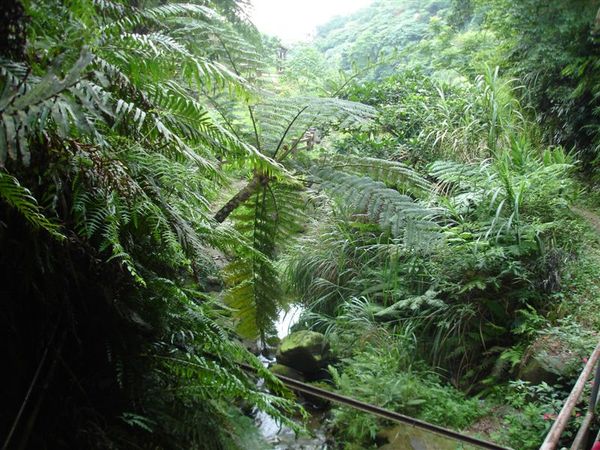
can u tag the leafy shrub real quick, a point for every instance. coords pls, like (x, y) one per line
(534, 409)
(390, 377)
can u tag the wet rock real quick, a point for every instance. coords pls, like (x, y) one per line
(269, 348)
(536, 371)
(280, 369)
(306, 351)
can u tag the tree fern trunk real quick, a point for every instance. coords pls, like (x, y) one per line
(244, 194)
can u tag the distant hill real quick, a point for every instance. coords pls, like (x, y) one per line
(378, 29)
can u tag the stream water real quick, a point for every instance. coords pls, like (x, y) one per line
(281, 437)
(399, 437)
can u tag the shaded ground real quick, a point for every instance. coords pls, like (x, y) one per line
(589, 216)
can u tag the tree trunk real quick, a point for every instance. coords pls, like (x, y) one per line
(244, 194)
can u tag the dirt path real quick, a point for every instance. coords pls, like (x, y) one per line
(591, 217)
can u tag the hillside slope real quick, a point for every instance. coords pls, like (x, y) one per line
(379, 29)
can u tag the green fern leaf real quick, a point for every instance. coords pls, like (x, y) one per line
(23, 201)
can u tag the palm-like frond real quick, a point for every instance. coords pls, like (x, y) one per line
(268, 220)
(282, 122)
(393, 173)
(129, 149)
(395, 213)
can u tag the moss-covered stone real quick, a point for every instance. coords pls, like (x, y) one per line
(548, 359)
(306, 339)
(305, 351)
(280, 369)
(407, 437)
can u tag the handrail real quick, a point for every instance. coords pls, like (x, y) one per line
(381, 412)
(587, 420)
(561, 422)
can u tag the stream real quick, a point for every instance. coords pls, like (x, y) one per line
(398, 436)
(282, 437)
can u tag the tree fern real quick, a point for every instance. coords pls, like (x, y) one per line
(267, 210)
(395, 213)
(268, 219)
(119, 142)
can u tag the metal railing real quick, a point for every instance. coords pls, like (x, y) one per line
(382, 412)
(562, 420)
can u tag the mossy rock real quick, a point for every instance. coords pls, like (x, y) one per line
(305, 351)
(547, 360)
(273, 341)
(407, 437)
(280, 369)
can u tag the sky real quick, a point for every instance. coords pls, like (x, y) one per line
(296, 20)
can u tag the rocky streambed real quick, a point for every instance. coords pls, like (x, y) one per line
(304, 356)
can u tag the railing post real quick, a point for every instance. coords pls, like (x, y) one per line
(582, 434)
(559, 425)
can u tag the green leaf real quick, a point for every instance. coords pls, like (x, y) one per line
(23, 201)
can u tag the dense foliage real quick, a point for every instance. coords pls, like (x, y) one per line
(109, 154)
(484, 169)
(168, 187)
(369, 34)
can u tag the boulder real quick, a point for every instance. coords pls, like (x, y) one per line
(280, 369)
(306, 351)
(548, 359)
(408, 437)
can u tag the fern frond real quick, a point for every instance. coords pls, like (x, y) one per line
(135, 17)
(153, 45)
(48, 87)
(393, 173)
(23, 201)
(403, 217)
(228, 45)
(171, 10)
(33, 105)
(462, 175)
(107, 6)
(14, 73)
(270, 217)
(282, 122)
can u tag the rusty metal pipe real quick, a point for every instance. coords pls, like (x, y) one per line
(559, 425)
(583, 431)
(381, 412)
(595, 388)
(582, 434)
